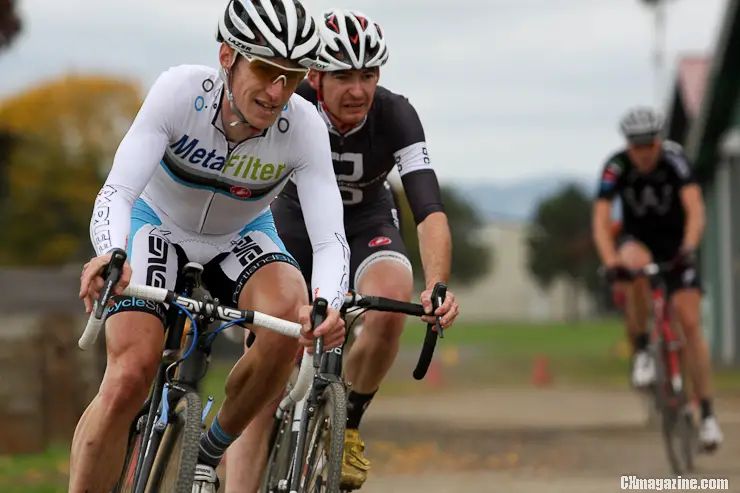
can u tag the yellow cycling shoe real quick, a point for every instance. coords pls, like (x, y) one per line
(354, 463)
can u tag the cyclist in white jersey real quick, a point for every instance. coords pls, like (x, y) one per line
(192, 180)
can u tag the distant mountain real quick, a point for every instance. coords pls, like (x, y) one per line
(518, 200)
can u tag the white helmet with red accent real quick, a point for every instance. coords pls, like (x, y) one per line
(270, 29)
(350, 40)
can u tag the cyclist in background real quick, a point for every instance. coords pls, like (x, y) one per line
(372, 130)
(662, 221)
(192, 180)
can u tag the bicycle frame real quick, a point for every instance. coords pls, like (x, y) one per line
(191, 367)
(164, 395)
(665, 336)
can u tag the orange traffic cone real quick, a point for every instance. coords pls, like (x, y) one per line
(541, 376)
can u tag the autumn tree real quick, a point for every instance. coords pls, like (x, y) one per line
(559, 244)
(471, 260)
(64, 135)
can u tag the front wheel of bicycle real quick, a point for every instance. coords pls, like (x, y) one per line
(325, 444)
(174, 465)
(677, 424)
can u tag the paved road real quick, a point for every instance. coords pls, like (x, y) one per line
(526, 441)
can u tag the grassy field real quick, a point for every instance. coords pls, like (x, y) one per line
(584, 354)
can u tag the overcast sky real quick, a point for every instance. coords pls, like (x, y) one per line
(506, 89)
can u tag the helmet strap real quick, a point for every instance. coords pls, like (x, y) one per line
(226, 77)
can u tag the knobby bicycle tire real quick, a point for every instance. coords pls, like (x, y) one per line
(332, 413)
(174, 465)
(279, 455)
(676, 423)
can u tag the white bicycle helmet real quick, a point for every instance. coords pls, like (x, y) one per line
(350, 40)
(641, 124)
(268, 29)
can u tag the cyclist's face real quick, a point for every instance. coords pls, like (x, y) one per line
(645, 156)
(262, 89)
(349, 94)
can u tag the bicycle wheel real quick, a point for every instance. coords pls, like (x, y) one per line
(325, 444)
(174, 465)
(279, 456)
(126, 481)
(677, 424)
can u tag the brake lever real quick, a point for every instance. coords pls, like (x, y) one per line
(439, 293)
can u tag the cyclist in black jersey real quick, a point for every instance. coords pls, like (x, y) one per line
(662, 221)
(372, 130)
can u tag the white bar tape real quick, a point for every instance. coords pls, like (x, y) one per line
(146, 292)
(92, 329)
(284, 327)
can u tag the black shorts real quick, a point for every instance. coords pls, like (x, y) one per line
(662, 252)
(372, 234)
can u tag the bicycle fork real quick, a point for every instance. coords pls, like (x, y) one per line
(670, 345)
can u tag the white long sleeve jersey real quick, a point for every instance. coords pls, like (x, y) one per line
(176, 157)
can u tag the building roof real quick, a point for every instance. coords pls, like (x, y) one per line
(721, 95)
(689, 87)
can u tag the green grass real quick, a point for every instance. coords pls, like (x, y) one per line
(584, 338)
(591, 353)
(36, 473)
(588, 353)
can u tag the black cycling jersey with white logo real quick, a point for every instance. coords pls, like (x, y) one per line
(652, 211)
(391, 135)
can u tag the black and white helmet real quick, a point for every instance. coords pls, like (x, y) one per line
(350, 40)
(270, 29)
(641, 124)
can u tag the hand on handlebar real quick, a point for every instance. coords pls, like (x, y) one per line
(449, 309)
(332, 328)
(91, 280)
(684, 259)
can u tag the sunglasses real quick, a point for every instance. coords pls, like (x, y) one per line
(642, 140)
(273, 73)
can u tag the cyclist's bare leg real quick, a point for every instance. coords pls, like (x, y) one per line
(247, 456)
(260, 376)
(687, 306)
(375, 349)
(634, 255)
(134, 345)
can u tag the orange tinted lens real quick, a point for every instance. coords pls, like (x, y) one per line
(270, 73)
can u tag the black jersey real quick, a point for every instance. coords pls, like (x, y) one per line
(651, 205)
(391, 135)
